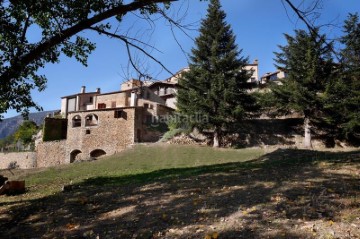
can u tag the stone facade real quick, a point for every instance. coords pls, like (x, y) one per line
(120, 99)
(23, 160)
(102, 124)
(110, 134)
(114, 121)
(51, 153)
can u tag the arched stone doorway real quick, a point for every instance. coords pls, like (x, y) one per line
(74, 155)
(97, 153)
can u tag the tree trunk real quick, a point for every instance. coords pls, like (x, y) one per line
(216, 143)
(307, 133)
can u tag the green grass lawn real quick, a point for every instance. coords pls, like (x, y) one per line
(170, 191)
(136, 162)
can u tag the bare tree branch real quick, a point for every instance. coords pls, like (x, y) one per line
(128, 44)
(303, 16)
(15, 68)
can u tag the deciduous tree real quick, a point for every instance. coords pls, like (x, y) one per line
(25, 132)
(60, 23)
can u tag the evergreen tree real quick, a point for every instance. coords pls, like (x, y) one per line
(308, 65)
(342, 98)
(351, 40)
(213, 91)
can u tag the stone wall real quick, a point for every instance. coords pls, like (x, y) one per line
(111, 134)
(110, 131)
(51, 153)
(273, 132)
(149, 97)
(23, 160)
(120, 99)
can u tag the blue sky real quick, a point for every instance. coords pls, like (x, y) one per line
(258, 25)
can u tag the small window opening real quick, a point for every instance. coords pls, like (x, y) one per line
(87, 131)
(118, 114)
(91, 120)
(101, 106)
(76, 121)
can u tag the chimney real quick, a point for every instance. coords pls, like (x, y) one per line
(82, 89)
(256, 62)
(98, 90)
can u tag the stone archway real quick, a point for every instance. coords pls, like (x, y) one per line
(97, 153)
(74, 155)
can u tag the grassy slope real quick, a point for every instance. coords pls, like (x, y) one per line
(174, 191)
(135, 162)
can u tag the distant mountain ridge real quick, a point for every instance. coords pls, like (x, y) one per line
(10, 125)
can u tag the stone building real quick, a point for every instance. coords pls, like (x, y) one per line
(253, 68)
(168, 88)
(94, 124)
(273, 77)
(101, 124)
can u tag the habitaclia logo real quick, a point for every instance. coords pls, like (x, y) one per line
(179, 119)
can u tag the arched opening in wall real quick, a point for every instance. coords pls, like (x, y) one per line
(74, 155)
(97, 153)
(76, 121)
(91, 120)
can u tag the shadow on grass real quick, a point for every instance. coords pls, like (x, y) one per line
(270, 197)
(278, 158)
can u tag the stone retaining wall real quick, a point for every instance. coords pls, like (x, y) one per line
(51, 153)
(24, 160)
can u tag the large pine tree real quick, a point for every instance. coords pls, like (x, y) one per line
(307, 61)
(214, 88)
(342, 98)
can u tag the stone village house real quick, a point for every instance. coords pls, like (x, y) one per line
(94, 124)
(97, 124)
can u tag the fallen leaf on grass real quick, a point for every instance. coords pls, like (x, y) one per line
(71, 226)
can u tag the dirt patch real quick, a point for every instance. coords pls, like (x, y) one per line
(284, 194)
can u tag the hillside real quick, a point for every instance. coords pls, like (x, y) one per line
(10, 125)
(177, 192)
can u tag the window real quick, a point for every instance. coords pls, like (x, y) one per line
(151, 106)
(87, 131)
(113, 104)
(146, 106)
(90, 99)
(76, 121)
(118, 114)
(91, 120)
(101, 106)
(71, 105)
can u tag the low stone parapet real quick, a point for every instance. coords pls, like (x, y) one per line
(23, 160)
